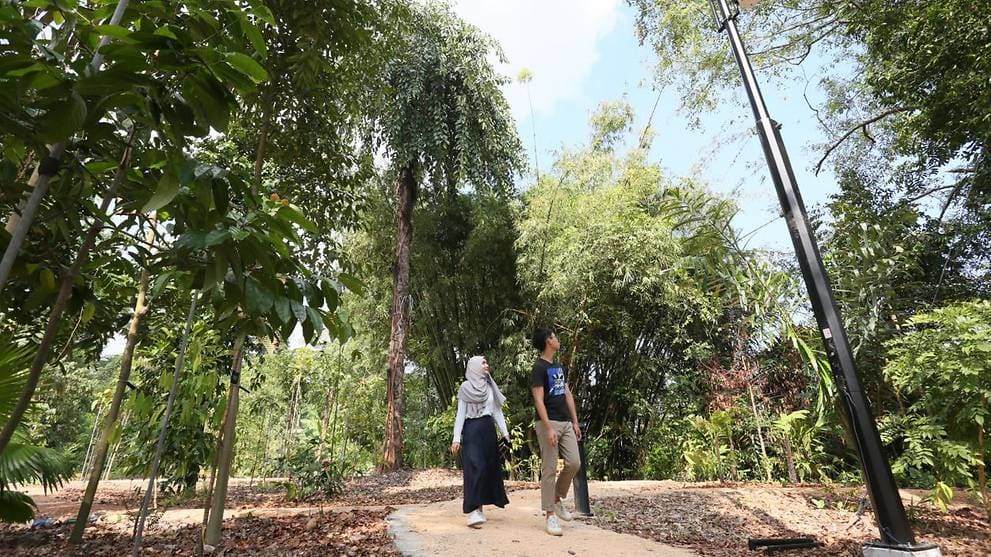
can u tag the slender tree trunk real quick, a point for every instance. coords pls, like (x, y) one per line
(533, 127)
(126, 361)
(209, 497)
(256, 181)
(260, 460)
(163, 430)
(789, 458)
(92, 441)
(226, 458)
(19, 222)
(760, 434)
(982, 476)
(337, 402)
(58, 308)
(405, 190)
(291, 418)
(324, 424)
(113, 452)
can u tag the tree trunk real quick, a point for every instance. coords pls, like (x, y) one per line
(206, 501)
(292, 418)
(226, 452)
(256, 180)
(19, 222)
(164, 427)
(87, 460)
(982, 475)
(789, 458)
(405, 190)
(324, 424)
(126, 360)
(65, 292)
(760, 434)
(108, 473)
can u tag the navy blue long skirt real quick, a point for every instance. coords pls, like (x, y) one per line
(481, 466)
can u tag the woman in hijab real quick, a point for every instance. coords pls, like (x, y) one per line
(479, 413)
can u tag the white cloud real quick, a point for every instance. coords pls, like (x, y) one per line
(557, 40)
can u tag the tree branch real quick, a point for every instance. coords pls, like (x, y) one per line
(851, 131)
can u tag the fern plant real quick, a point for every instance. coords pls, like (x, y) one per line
(20, 462)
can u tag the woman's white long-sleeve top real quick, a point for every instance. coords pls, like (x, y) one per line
(472, 410)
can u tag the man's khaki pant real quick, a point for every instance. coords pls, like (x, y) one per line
(567, 447)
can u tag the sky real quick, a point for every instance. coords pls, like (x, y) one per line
(583, 52)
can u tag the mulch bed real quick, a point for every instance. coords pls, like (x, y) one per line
(355, 533)
(718, 522)
(396, 488)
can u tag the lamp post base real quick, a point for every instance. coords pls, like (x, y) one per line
(877, 549)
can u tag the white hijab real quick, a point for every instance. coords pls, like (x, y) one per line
(475, 388)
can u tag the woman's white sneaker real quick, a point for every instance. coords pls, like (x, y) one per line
(562, 512)
(476, 518)
(553, 527)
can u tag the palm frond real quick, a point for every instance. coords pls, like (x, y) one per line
(16, 507)
(15, 361)
(21, 463)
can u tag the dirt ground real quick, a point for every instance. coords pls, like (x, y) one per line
(439, 530)
(419, 513)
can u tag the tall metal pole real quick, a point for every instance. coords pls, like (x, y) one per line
(895, 530)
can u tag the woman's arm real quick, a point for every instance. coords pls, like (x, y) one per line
(500, 421)
(459, 420)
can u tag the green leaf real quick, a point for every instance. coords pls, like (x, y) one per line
(282, 309)
(246, 65)
(258, 299)
(99, 167)
(298, 310)
(160, 282)
(307, 332)
(114, 31)
(330, 295)
(314, 296)
(262, 12)
(215, 237)
(315, 319)
(352, 283)
(221, 196)
(168, 187)
(47, 279)
(209, 100)
(293, 215)
(166, 32)
(89, 309)
(216, 270)
(63, 120)
(253, 33)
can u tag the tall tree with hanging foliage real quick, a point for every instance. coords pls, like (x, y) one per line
(444, 125)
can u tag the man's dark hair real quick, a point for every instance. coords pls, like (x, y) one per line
(539, 338)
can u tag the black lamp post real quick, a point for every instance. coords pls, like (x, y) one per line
(897, 539)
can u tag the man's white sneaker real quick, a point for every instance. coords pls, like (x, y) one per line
(562, 512)
(553, 527)
(476, 518)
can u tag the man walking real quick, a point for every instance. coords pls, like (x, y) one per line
(557, 428)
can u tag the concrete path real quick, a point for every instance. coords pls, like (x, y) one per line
(439, 529)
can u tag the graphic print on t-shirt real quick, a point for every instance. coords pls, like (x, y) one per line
(555, 380)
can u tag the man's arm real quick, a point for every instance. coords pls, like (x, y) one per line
(538, 402)
(574, 413)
